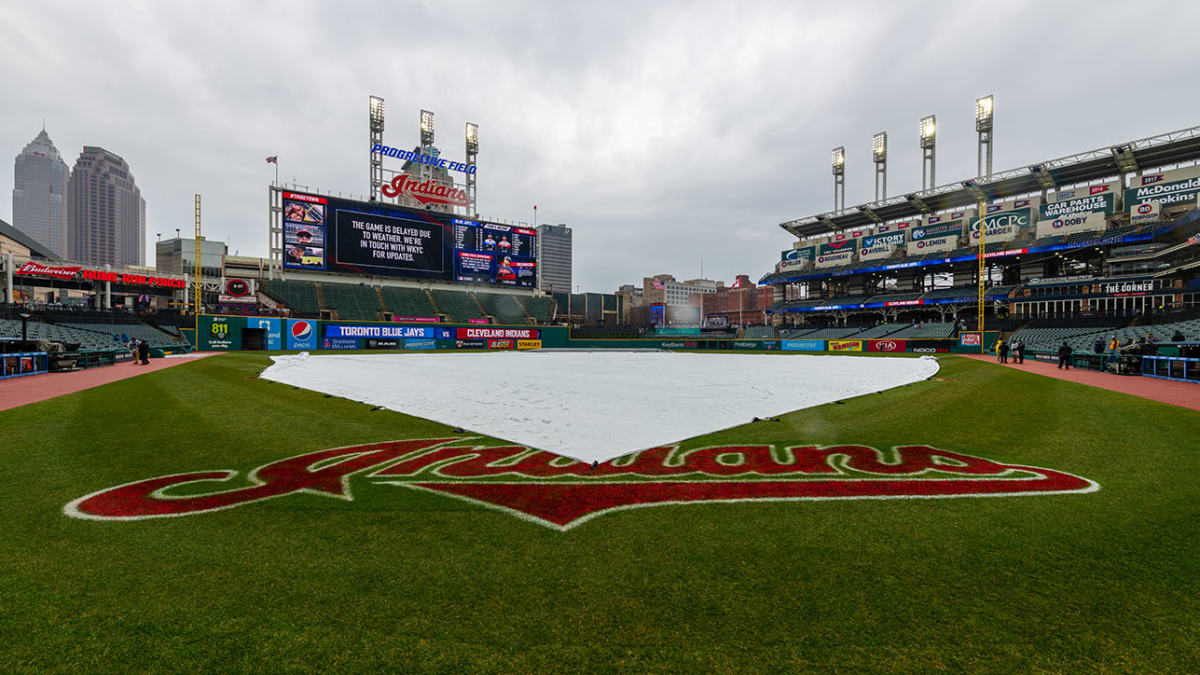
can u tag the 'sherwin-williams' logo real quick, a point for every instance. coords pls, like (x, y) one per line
(560, 493)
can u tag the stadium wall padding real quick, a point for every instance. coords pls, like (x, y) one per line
(229, 333)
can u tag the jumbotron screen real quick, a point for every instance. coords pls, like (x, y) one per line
(329, 234)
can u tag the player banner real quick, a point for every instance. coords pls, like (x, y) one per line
(1084, 222)
(1146, 212)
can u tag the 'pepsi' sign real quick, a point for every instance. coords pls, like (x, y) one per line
(301, 334)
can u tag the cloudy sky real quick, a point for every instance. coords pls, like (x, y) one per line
(663, 133)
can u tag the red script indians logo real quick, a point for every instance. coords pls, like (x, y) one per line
(560, 493)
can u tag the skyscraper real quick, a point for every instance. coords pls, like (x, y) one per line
(554, 258)
(108, 215)
(39, 194)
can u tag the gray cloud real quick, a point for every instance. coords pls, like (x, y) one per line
(662, 132)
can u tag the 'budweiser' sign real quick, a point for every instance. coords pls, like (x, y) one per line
(35, 269)
(426, 191)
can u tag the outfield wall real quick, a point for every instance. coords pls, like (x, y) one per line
(249, 333)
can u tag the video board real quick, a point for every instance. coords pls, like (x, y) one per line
(339, 235)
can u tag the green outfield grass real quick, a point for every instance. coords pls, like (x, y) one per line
(401, 580)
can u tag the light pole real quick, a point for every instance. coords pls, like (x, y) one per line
(472, 157)
(928, 151)
(984, 114)
(879, 158)
(375, 123)
(839, 178)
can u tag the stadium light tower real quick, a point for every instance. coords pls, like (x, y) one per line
(839, 178)
(375, 107)
(985, 110)
(472, 156)
(928, 151)
(426, 129)
(879, 157)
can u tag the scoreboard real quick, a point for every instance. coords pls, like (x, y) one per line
(331, 234)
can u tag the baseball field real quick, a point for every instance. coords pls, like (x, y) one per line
(201, 518)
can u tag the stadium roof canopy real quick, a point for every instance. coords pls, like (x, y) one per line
(1165, 149)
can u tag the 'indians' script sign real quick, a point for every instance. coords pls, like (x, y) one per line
(560, 493)
(426, 191)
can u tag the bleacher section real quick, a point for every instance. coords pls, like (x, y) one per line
(759, 333)
(458, 306)
(929, 329)
(90, 335)
(504, 307)
(832, 333)
(299, 296)
(407, 302)
(541, 308)
(1049, 339)
(882, 330)
(350, 302)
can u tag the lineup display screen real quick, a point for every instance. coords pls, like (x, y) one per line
(351, 237)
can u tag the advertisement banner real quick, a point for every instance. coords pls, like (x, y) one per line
(940, 234)
(881, 245)
(929, 346)
(414, 319)
(845, 345)
(1080, 201)
(500, 344)
(1146, 212)
(37, 269)
(471, 344)
(885, 345)
(420, 344)
(498, 333)
(804, 253)
(376, 343)
(224, 333)
(932, 245)
(1169, 188)
(1084, 222)
(529, 344)
(339, 344)
(835, 253)
(1003, 224)
(970, 339)
(273, 328)
(785, 265)
(301, 334)
(803, 345)
(376, 331)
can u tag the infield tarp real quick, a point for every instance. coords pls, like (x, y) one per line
(595, 405)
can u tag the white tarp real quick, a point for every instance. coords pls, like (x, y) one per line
(595, 405)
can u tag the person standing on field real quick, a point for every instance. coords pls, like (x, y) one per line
(1064, 356)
